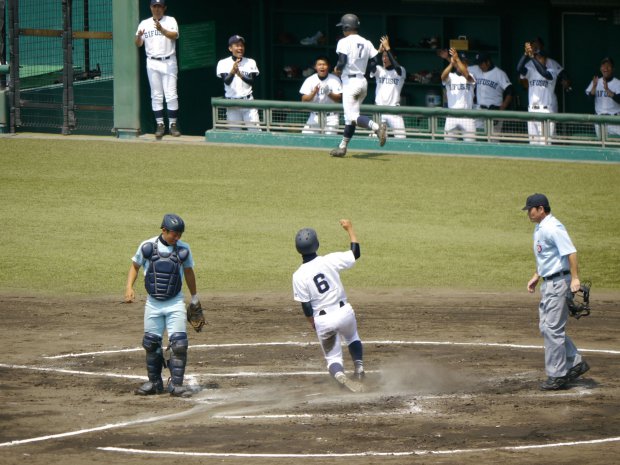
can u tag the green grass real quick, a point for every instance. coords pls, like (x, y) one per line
(75, 211)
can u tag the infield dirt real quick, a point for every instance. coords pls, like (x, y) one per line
(453, 378)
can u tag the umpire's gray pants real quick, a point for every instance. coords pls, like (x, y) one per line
(560, 351)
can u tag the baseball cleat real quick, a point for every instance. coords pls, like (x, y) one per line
(577, 370)
(149, 388)
(555, 383)
(174, 131)
(382, 134)
(359, 376)
(159, 132)
(338, 152)
(346, 383)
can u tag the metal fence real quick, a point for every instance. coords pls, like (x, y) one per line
(60, 55)
(430, 123)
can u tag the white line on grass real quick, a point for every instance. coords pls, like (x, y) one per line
(360, 454)
(305, 344)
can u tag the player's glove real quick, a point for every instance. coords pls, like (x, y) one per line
(195, 316)
(579, 302)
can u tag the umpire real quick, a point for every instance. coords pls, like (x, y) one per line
(556, 264)
(166, 260)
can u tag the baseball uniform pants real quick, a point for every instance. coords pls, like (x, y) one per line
(332, 327)
(464, 126)
(162, 76)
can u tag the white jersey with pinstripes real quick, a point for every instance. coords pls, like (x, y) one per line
(318, 281)
(358, 51)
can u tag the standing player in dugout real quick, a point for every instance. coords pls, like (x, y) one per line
(158, 35)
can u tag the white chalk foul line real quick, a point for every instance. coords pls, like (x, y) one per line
(72, 372)
(306, 344)
(360, 454)
(90, 430)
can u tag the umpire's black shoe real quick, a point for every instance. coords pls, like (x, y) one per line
(554, 383)
(149, 388)
(159, 132)
(577, 370)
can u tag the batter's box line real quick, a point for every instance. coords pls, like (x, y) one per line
(307, 344)
(359, 454)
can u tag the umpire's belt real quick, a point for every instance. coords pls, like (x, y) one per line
(161, 58)
(539, 107)
(245, 97)
(556, 275)
(324, 311)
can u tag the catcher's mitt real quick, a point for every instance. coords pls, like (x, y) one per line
(195, 316)
(579, 302)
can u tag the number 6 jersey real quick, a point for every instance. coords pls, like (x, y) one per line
(318, 281)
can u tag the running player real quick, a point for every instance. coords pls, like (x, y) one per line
(317, 286)
(390, 78)
(354, 52)
(541, 90)
(459, 86)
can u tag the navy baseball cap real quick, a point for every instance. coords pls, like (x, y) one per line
(234, 39)
(607, 60)
(462, 55)
(482, 57)
(536, 200)
(158, 2)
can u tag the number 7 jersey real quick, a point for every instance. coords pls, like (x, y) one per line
(318, 281)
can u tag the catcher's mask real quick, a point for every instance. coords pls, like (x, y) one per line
(579, 302)
(349, 22)
(173, 222)
(306, 241)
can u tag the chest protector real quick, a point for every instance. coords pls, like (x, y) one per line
(163, 276)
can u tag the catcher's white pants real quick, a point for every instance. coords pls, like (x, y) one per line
(313, 125)
(535, 128)
(458, 126)
(331, 328)
(395, 122)
(354, 91)
(561, 354)
(163, 81)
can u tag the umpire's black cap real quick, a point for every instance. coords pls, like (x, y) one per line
(536, 200)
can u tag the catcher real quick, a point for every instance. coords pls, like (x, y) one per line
(166, 261)
(556, 260)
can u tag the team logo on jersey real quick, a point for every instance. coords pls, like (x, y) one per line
(538, 248)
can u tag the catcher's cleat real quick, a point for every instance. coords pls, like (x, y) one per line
(174, 131)
(382, 134)
(555, 383)
(179, 391)
(577, 370)
(149, 388)
(346, 383)
(339, 152)
(159, 132)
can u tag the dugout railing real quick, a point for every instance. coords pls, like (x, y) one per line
(423, 124)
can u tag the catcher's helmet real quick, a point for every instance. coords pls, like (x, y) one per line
(173, 222)
(306, 241)
(349, 22)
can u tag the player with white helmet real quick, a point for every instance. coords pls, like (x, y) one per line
(390, 79)
(354, 52)
(239, 74)
(494, 91)
(318, 287)
(606, 93)
(321, 87)
(459, 84)
(158, 34)
(541, 90)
